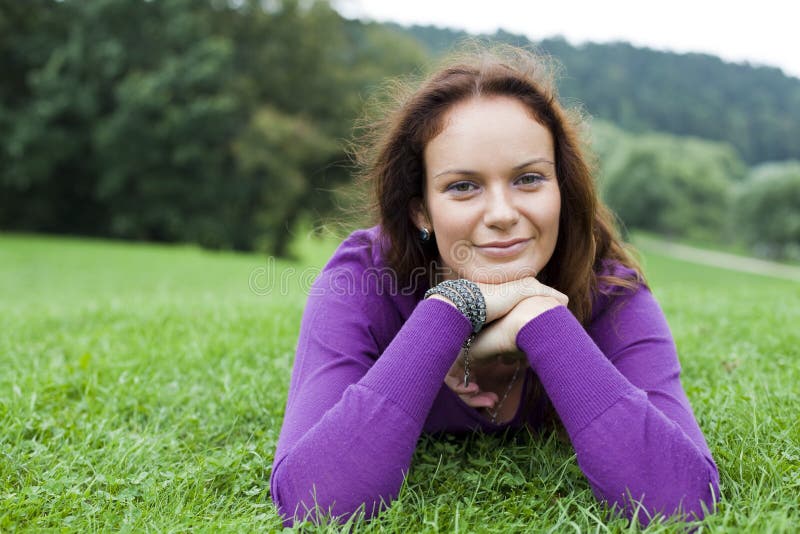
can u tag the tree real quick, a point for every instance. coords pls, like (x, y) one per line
(274, 157)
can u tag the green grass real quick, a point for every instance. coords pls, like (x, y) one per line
(142, 388)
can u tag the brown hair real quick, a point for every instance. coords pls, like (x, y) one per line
(391, 156)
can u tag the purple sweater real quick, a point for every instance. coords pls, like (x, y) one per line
(368, 379)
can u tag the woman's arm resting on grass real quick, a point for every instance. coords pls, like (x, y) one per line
(624, 408)
(351, 422)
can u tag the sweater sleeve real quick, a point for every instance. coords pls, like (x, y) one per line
(621, 401)
(353, 416)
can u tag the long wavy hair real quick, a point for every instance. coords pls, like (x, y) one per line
(395, 131)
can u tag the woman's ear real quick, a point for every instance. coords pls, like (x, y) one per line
(419, 215)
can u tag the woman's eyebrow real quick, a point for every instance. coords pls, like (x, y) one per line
(516, 168)
(454, 171)
(533, 161)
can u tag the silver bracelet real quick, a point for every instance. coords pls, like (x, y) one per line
(467, 297)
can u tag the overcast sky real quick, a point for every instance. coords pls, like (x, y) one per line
(764, 32)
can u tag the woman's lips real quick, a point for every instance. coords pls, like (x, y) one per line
(504, 250)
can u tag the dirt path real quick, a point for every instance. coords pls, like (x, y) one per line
(719, 259)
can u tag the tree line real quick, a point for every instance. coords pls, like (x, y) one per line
(207, 121)
(224, 122)
(754, 108)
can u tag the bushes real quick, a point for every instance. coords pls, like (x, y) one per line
(674, 186)
(767, 210)
(690, 188)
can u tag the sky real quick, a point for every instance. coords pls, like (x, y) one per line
(763, 33)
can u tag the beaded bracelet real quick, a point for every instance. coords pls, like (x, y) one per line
(467, 297)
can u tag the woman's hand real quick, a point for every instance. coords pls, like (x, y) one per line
(500, 337)
(502, 298)
(472, 395)
(509, 307)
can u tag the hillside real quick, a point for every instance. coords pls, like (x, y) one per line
(755, 108)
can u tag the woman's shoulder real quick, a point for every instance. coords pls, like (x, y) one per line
(617, 283)
(614, 276)
(624, 310)
(358, 270)
(356, 287)
(359, 252)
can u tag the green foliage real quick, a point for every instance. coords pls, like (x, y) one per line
(670, 185)
(218, 123)
(122, 123)
(274, 154)
(223, 123)
(767, 213)
(163, 159)
(144, 387)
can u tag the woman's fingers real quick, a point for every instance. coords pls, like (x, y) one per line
(531, 287)
(457, 385)
(502, 298)
(480, 400)
(471, 394)
(558, 295)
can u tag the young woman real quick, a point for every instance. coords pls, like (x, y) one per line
(493, 291)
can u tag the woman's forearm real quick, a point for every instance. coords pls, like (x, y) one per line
(626, 445)
(358, 452)
(633, 454)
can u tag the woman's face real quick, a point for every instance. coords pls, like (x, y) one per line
(491, 194)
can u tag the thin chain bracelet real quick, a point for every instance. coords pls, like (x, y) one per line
(467, 346)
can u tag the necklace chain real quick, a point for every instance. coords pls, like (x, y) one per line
(493, 413)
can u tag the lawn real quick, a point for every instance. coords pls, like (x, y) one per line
(142, 388)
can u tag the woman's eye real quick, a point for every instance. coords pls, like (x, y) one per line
(462, 187)
(530, 178)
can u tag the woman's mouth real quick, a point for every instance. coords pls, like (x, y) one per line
(504, 249)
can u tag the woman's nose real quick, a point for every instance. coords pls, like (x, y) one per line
(500, 211)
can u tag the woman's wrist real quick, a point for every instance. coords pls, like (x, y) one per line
(531, 308)
(443, 299)
(466, 296)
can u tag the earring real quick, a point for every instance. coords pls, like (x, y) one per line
(424, 235)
